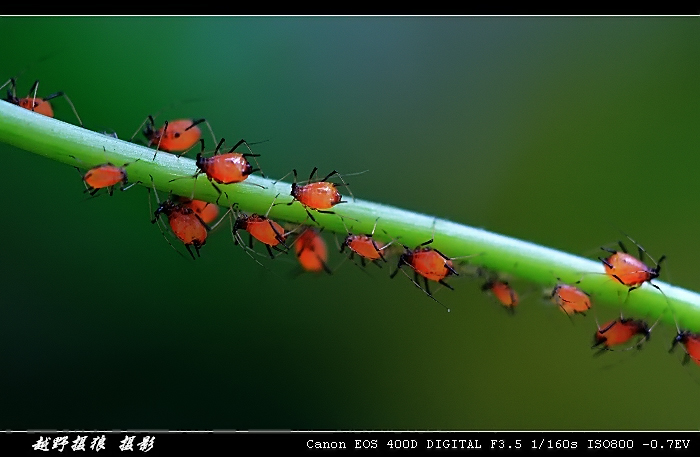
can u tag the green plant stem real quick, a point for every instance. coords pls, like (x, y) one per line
(537, 264)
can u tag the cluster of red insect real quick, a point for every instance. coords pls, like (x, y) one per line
(191, 221)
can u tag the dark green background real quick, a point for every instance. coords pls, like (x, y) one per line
(561, 131)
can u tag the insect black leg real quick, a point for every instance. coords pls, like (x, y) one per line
(311, 216)
(33, 89)
(451, 269)
(427, 286)
(311, 176)
(641, 253)
(398, 267)
(236, 237)
(608, 265)
(329, 175)
(54, 95)
(446, 285)
(195, 122)
(622, 246)
(218, 190)
(686, 359)
(427, 243)
(278, 236)
(160, 138)
(325, 267)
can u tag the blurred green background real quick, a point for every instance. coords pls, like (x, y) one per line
(555, 130)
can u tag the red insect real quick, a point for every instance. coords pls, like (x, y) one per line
(263, 229)
(179, 135)
(318, 195)
(429, 263)
(691, 344)
(571, 299)
(106, 176)
(228, 168)
(620, 331)
(34, 103)
(503, 293)
(207, 211)
(365, 246)
(184, 222)
(311, 251)
(186, 225)
(628, 270)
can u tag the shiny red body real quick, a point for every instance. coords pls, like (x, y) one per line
(38, 105)
(503, 293)
(179, 136)
(185, 223)
(311, 250)
(226, 168)
(207, 211)
(317, 195)
(365, 246)
(619, 331)
(103, 176)
(628, 270)
(571, 299)
(428, 263)
(262, 229)
(691, 343)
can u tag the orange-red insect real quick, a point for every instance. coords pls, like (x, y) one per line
(179, 135)
(628, 270)
(429, 263)
(365, 246)
(319, 195)
(503, 292)
(571, 299)
(207, 211)
(620, 331)
(174, 136)
(263, 229)
(184, 222)
(691, 344)
(105, 176)
(34, 103)
(228, 168)
(311, 251)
